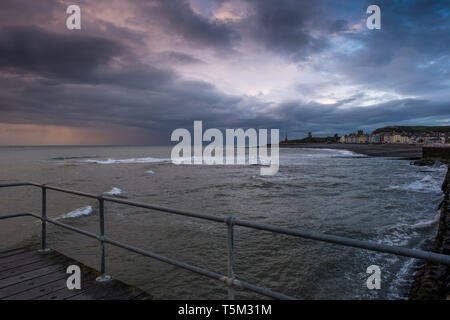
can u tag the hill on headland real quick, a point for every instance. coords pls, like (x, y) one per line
(413, 129)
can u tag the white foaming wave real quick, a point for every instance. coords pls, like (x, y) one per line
(83, 211)
(114, 192)
(263, 161)
(332, 153)
(132, 160)
(401, 280)
(406, 228)
(350, 153)
(439, 167)
(425, 224)
(427, 184)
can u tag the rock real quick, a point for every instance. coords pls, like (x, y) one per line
(423, 162)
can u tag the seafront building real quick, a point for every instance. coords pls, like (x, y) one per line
(396, 138)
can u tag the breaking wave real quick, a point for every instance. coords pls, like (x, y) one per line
(426, 184)
(83, 211)
(327, 153)
(132, 160)
(263, 161)
(114, 192)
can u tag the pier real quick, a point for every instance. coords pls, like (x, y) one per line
(26, 274)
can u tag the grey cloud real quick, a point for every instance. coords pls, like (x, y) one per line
(179, 58)
(31, 49)
(285, 27)
(409, 54)
(75, 59)
(179, 19)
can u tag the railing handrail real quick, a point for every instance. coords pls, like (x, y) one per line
(231, 221)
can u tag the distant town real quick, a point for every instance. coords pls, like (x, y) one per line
(397, 137)
(394, 134)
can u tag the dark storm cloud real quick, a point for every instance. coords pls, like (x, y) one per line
(74, 59)
(31, 49)
(180, 103)
(54, 77)
(178, 17)
(286, 26)
(171, 106)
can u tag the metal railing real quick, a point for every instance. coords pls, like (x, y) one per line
(230, 279)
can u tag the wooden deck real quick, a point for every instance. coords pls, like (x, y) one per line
(26, 274)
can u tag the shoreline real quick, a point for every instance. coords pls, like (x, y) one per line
(404, 152)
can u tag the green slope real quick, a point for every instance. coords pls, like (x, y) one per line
(413, 129)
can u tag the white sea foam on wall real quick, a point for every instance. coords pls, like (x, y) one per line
(428, 184)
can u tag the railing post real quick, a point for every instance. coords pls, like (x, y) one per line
(103, 277)
(230, 249)
(44, 248)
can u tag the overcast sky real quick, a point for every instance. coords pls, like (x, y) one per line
(138, 69)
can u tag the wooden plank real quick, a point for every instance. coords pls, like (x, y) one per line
(131, 294)
(21, 256)
(32, 283)
(6, 253)
(10, 249)
(124, 292)
(55, 290)
(27, 274)
(36, 292)
(36, 273)
(143, 296)
(18, 263)
(111, 288)
(87, 282)
(34, 265)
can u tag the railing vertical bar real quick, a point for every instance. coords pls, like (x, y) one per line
(44, 221)
(101, 206)
(102, 233)
(230, 249)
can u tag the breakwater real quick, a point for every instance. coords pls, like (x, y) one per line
(432, 281)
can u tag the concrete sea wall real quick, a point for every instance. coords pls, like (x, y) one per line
(432, 281)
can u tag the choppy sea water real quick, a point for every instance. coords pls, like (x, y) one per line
(331, 191)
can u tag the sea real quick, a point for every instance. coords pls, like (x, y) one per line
(335, 192)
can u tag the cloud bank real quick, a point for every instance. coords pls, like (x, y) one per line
(139, 69)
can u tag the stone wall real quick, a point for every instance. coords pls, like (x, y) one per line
(432, 281)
